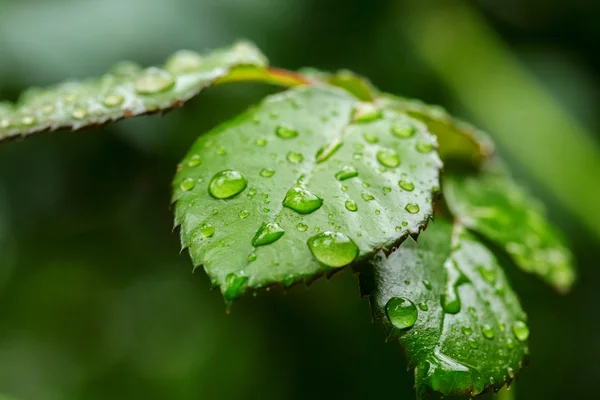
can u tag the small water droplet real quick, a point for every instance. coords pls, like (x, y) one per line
(302, 200)
(404, 224)
(370, 138)
(401, 312)
(194, 161)
(412, 208)
(294, 157)
(28, 120)
(113, 100)
(154, 80)
(251, 193)
(424, 148)
(267, 234)
(347, 172)
(184, 61)
(333, 249)
(404, 131)
(187, 184)
(490, 275)
(243, 214)
(510, 343)
(427, 284)
(492, 380)
(511, 373)
(351, 205)
(302, 227)
(221, 151)
(226, 184)
(48, 109)
(366, 112)
(344, 188)
(521, 330)
(252, 257)
(367, 196)
(357, 156)
(488, 331)
(235, 286)
(266, 209)
(207, 230)
(423, 307)
(406, 185)
(387, 189)
(215, 212)
(398, 229)
(388, 158)
(285, 132)
(262, 142)
(377, 212)
(267, 173)
(5, 123)
(473, 343)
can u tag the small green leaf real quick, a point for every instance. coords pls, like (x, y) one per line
(127, 90)
(294, 191)
(492, 204)
(449, 304)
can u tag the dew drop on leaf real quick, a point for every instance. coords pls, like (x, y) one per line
(412, 208)
(226, 184)
(243, 214)
(467, 330)
(388, 158)
(366, 112)
(351, 205)
(487, 331)
(113, 100)
(302, 200)
(473, 343)
(406, 185)
(521, 330)
(302, 227)
(367, 196)
(403, 131)
(184, 61)
(207, 230)
(347, 172)
(370, 138)
(333, 249)
(79, 113)
(267, 234)
(194, 161)
(424, 148)
(285, 132)
(154, 80)
(294, 157)
(423, 307)
(187, 184)
(252, 257)
(267, 173)
(401, 312)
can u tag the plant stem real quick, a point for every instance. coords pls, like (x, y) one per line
(506, 394)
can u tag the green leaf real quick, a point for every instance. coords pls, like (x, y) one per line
(458, 140)
(449, 304)
(357, 85)
(492, 204)
(307, 182)
(128, 90)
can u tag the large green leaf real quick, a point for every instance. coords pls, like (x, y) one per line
(491, 203)
(307, 182)
(128, 90)
(448, 303)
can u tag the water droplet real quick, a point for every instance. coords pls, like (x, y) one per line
(252, 257)
(398, 229)
(113, 100)
(333, 249)
(388, 158)
(412, 208)
(251, 193)
(367, 196)
(366, 112)
(427, 284)
(207, 230)
(187, 184)
(467, 330)
(401, 312)
(406, 185)
(511, 373)
(221, 151)
(294, 157)
(473, 343)
(5, 123)
(490, 275)
(370, 138)
(226, 184)
(194, 161)
(510, 343)
(404, 131)
(351, 205)
(347, 172)
(387, 189)
(285, 132)
(267, 173)
(492, 380)
(344, 188)
(215, 212)
(377, 212)
(423, 307)
(302, 227)
(267, 234)
(262, 142)
(154, 80)
(48, 109)
(28, 120)
(324, 153)
(521, 330)
(404, 224)
(234, 286)
(488, 331)
(424, 148)
(184, 61)
(243, 214)
(302, 200)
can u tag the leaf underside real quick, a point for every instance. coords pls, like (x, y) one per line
(463, 340)
(126, 91)
(492, 204)
(375, 188)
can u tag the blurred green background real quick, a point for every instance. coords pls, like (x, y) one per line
(97, 303)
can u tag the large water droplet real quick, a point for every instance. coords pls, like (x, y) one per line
(488, 331)
(347, 172)
(404, 131)
(294, 157)
(302, 200)
(267, 234)
(406, 185)
(401, 312)
(187, 184)
(154, 80)
(351, 205)
(285, 132)
(226, 184)
(333, 249)
(184, 61)
(412, 208)
(207, 230)
(366, 112)
(521, 330)
(388, 158)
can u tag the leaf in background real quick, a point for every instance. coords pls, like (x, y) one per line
(307, 182)
(449, 304)
(492, 204)
(127, 90)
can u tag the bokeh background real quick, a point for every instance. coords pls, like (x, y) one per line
(97, 303)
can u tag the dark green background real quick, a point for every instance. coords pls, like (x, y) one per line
(97, 303)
